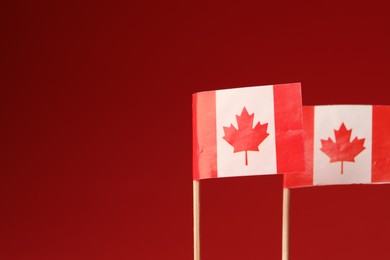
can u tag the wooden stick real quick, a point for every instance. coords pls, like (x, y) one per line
(285, 227)
(196, 220)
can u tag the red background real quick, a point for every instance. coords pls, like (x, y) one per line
(96, 127)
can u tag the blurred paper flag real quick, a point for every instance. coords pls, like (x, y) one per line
(345, 144)
(247, 131)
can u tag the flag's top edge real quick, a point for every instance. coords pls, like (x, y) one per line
(244, 87)
(346, 105)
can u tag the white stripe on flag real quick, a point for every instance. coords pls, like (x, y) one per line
(327, 119)
(229, 104)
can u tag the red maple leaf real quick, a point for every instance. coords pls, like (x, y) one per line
(342, 150)
(245, 138)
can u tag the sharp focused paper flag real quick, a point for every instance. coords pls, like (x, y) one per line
(247, 131)
(345, 144)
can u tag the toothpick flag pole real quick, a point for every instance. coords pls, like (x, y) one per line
(196, 220)
(285, 226)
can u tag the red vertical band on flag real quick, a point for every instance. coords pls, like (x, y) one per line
(380, 144)
(204, 135)
(288, 128)
(304, 178)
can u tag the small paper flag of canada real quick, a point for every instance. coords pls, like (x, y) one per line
(247, 131)
(345, 144)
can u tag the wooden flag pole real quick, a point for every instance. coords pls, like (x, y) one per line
(285, 226)
(196, 220)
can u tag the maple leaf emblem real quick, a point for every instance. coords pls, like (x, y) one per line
(342, 150)
(246, 137)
